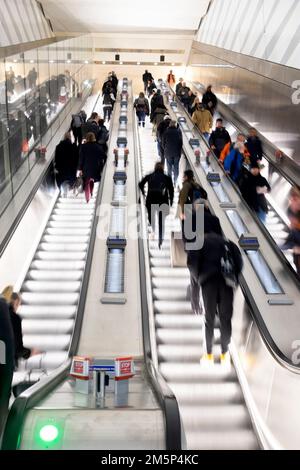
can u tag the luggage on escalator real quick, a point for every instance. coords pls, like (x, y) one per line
(178, 254)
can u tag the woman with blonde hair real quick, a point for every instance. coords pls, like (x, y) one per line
(7, 292)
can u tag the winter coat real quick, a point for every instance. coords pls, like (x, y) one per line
(209, 100)
(20, 350)
(155, 180)
(158, 115)
(255, 148)
(141, 105)
(92, 159)
(66, 161)
(172, 143)
(219, 138)
(249, 192)
(233, 164)
(203, 120)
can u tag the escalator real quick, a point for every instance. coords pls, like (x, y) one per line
(211, 403)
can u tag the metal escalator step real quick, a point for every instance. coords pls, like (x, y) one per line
(73, 247)
(76, 206)
(166, 306)
(183, 372)
(47, 298)
(170, 272)
(183, 352)
(49, 360)
(65, 239)
(174, 293)
(51, 286)
(77, 224)
(41, 327)
(47, 265)
(73, 212)
(208, 418)
(179, 321)
(73, 232)
(163, 253)
(207, 394)
(160, 262)
(47, 342)
(60, 255)
(170, 283)
(241, 439)
(174, 336)
(71, 218)
(48, 311)
(52, 275)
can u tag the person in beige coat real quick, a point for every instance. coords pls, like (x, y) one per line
(202, 118)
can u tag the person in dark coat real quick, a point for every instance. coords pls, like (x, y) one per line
(184, 95)
(151, 88)
(209, 100)
(16, 321)
(91, 125)
(217, 295)
(157, 101)
(141, 106)
(172, 145)
(114, 80)
(147, 76)
(92, 159)
(208, 224)
(161, 129)
(219, 138)
(66, 161)
(178, 87)
(253, 188)
(254, 146)
(192, 97)
(159, 198)
(7, 348)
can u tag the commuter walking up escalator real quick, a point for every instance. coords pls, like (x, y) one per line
(141, 106)
(159, 198)
(253, 188)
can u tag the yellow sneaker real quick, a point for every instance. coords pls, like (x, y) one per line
(207, 360)
(225, 360)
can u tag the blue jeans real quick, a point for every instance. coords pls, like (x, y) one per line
(206, 135)
(262, 215)
(141, 117)
(173, 166)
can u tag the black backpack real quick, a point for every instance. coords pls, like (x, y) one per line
(231, 264)
(196, 192)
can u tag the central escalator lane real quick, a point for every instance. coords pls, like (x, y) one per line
(211, 403)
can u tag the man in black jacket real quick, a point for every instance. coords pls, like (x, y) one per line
(157, 101)
(159, 198)
(6, 360)
(209, 100)
(147, 76)
(217, 295)
(253, 188)
(16, 321)
(219, 138)
(172, 145)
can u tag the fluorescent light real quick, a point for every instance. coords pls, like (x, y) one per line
(173, 63)
(155, 63)
(68, 61)
(86, 61)
(121, 63)
(15, 60)
(103, 62)
(32, 61)
(51, 61)
(138, 63)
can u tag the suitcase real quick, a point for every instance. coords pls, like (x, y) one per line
(178, 255)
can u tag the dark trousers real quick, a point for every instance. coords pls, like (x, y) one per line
(153, 210)
(77, 133)
(107, 110)
(6, 375)
(195, 293)
(141, 117)
(297, 263)
(161, 152)
(217, 295)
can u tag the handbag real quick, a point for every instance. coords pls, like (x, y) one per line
(178, 254)
(78, 186)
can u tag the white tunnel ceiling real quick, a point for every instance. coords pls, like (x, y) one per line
(97, 16)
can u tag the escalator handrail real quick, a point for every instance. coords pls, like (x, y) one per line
(164, 394)
(30, 397)
(263, 228)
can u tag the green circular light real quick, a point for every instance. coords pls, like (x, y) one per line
(48, 433)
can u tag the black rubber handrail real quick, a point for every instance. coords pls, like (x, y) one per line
(163, 393)
(41, 389)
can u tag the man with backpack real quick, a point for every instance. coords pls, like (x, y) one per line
(172, 145)
(141, 106)
(219, 264)
(219, 138)
(159, 198)
(76, 127)
(190, 192)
